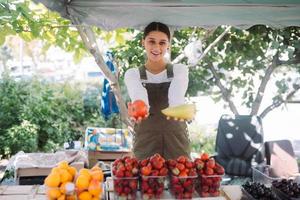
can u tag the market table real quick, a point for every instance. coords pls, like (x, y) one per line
(37, 192)
(228, 192)
(106, 156)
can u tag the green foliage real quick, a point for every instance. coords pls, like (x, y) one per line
(39, 116)
(240, 59)
(22, 137)
(202, 139)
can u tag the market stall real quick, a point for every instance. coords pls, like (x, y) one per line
(177, 14)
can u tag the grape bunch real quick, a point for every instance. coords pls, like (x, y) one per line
(288, 187)
(259, 191)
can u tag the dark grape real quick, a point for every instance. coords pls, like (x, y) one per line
(259, 191)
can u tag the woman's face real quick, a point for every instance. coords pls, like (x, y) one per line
(156, 45)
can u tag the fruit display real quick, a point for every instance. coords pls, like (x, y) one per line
(59, 183)
(89, 183)
(181, 112)
(153, 175)
(182, 178)
(63, 183)
(125, 173)
(286, 189)
(257, 190)
(137, 109)
(209, 176)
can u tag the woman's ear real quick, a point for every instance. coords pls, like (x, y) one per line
(143, 43)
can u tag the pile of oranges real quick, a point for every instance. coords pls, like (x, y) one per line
(64, 183)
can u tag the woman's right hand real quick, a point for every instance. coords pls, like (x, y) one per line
(137, 111)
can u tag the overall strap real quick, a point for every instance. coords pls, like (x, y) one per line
(143, 74)
(170, 73)
(142, 70)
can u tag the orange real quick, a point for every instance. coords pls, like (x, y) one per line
(52, 180)
(65, 176)
(97, 175)
(72, 170)
(71, 197)
(53, 193)
(55, 170)
(85, 196)
(82, 182)
(62, 197)
(63, 165)
(95, 188)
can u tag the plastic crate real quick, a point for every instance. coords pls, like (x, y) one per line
(156, 184)
(209, 185)
(182, 187)
(125, 188)
(261, 174)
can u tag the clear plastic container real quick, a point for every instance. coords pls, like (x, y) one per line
(152, 187)
(125, 188)
(246, 195)
(209, 185)
(182, 187)
(261, 174)
(62, 192)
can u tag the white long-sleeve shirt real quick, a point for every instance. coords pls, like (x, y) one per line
(177, 88)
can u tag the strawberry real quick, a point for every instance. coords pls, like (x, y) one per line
(189, 164)
(210, 163)
(128, 174)
(204, 188)
(144, 162)
(215, 194)
(209, 171)
(182, 159)
(154, 172)
(119, 174)
(204, 156)
(171, 163)
(163, 171)
(204, 194)
(135, 171)
(157, 164)
(176, 171)
(145, 171)
(180, 166)
(199, 163)
(133, 184)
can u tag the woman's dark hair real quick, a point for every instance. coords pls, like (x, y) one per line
(157, 26)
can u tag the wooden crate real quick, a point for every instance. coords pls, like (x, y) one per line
(105, 156)
(14, 192)
(36, 175)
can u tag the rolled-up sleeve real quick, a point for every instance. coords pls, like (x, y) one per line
(134, 86)
(179, 85)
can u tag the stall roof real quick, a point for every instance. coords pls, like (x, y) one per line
(112, 14)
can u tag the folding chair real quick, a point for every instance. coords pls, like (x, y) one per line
(281, 158)
(239, 144)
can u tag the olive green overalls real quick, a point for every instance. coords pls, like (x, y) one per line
(156, 134)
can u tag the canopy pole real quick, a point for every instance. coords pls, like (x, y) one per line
(88, 37)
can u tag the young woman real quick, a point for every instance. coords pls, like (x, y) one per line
(160, 85)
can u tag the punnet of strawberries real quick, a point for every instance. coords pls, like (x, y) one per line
(125, 173)
(209, 176)
(153, 175)
(182, 177)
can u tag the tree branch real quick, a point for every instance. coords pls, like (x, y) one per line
(89, 40)
(182, 56)
(262, 87)
(277, 103)
(225, 93)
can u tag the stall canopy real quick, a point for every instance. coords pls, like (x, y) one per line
(112, 14)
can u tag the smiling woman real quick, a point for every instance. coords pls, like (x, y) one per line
(159, 84)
